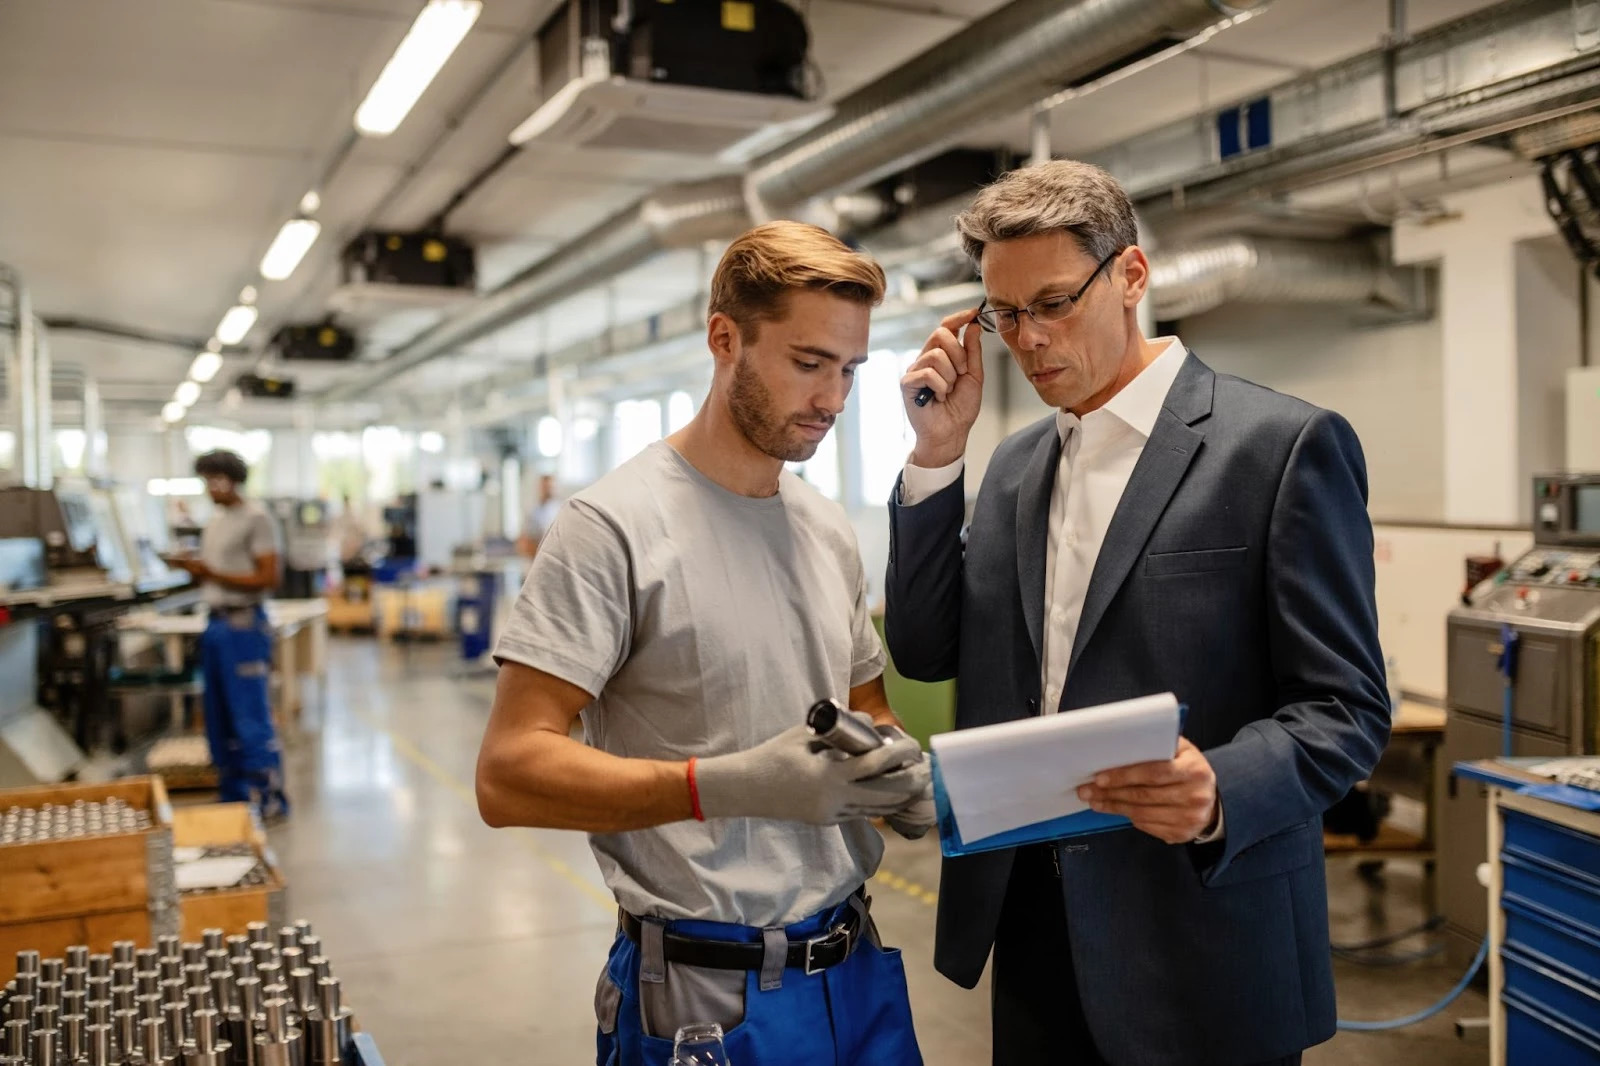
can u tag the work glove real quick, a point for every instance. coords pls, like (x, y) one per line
(918, 816)
(786, 779)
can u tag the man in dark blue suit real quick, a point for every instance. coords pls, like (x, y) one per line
(1168, 529)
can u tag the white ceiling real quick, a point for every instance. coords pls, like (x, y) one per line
(151, 150)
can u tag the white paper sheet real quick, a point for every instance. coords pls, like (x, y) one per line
(1003, 777)
(224, 871)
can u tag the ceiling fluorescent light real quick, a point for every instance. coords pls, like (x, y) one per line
(205, 366)
(173, 412)
(188, 392)
(439, 28)
(290, 246)
(236, 323)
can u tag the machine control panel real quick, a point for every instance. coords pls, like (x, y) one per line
(1556, 567)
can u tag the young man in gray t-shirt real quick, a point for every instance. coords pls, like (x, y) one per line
(690, 607)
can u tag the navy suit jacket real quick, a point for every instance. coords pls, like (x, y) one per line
(1237, 572)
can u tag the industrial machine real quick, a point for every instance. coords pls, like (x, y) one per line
(307, 545)
(1523, 676)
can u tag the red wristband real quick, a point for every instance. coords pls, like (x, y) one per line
(694, 794)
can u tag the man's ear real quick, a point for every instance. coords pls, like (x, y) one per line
(1136, 268)
(722, 337)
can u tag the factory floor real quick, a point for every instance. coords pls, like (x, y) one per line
(459, 943)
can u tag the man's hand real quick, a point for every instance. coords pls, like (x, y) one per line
(953, 368)
(194, 567)
(786, 779)
(1174, 801)
(917, 817)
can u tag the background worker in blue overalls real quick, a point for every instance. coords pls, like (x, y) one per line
(691, 605)
(237, 568)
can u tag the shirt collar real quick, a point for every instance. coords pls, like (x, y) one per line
(1139, 403)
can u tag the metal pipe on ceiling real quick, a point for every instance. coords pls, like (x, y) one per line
(1188, 280)
(1001, 64)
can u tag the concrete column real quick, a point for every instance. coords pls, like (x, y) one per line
(1486, 328)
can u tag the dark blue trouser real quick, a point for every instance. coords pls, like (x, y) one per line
(857, 1013)
(236, 660)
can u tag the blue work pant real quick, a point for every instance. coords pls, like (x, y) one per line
(236, 660)
(854, 1014)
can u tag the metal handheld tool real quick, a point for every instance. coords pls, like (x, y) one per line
(831, 724)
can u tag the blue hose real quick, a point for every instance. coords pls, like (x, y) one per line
(1422, 1015)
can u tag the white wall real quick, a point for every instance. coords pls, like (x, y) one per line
(1549, 344)
(1386, 380)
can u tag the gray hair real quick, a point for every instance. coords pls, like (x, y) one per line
(1053, 197)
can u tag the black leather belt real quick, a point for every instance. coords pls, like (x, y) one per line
(812, 956)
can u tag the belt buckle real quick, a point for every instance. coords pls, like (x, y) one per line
(832, 935)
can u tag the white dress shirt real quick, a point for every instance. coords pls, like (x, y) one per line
(1098, 454)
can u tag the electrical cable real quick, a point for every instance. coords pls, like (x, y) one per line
(1427, 1012)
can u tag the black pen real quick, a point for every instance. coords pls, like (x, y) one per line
(922, 397)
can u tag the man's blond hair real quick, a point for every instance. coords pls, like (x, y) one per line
(1061, 196)
(763, 266)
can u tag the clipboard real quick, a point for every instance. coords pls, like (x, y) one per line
(1082, 823)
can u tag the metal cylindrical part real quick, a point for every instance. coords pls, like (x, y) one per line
(238, 946)
(320, 966)
(149, 984)
(46, 1017)
(50, 971)
(271, 974)
(831, 723)
(18, 1033)
(217, 959)
(98, 1038)
(21, 1008)
(211, 939)
(78, 957)
(100, 965)
(123, 999)
(125, 1028)
(193, 954)
(27, 984)
(46, 1044)
(27, 962)
(173, 991)
(242, 1040)
(222, 990)
(303, 927)
(73, 1036)
(98, 989)
(170, 945)
(122, 951)
(147, 960)
(264, 954)
(197, 976)
(149, 1007)
(302, 984)
(288, 937)
(74, 1002)
(75, 978)
(124, 974)
(176, 1016)
(257, 932)
(100, 1013)
(249, 989)
(49, 994)
(152, 1040)
(199, 1000)
(171, 968)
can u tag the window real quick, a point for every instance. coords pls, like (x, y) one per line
(636, 424)
(548, 436)
(680, 409)
(886, 437)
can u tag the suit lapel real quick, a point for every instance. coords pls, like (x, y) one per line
(1166, 457)
(1033, 531)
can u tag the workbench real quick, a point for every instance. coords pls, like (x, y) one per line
(299, 648)
(1544, 917)
(1422, 725)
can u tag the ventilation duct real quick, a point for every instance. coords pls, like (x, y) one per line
(1188, 280)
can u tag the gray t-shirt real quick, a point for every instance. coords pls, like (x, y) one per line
(706, 622)
(231, 543)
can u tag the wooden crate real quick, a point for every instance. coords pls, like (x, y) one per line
(229, 909)
(92, 890)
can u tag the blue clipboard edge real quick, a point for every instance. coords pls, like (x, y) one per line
(951, 846)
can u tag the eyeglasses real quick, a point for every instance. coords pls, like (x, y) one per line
(1049, 309)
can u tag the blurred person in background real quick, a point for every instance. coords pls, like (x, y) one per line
(237, 568)
(540, 517)
(690, 606)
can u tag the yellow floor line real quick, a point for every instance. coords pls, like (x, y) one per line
(894, 881)
(415, 755)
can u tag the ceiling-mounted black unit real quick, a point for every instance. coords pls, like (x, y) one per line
(421, 259)
(748, 46)
(323, 341)
(1572, 196)
(261, 387)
